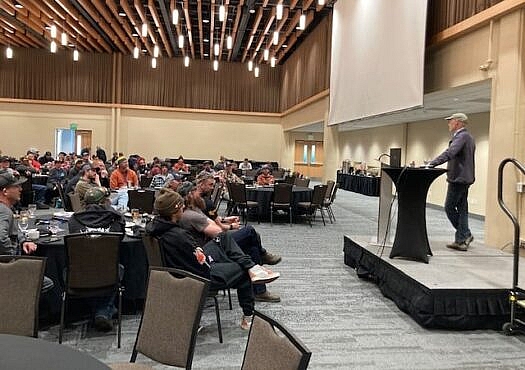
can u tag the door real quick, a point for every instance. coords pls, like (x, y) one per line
(309, 157)
(82, 140)
(68, 141)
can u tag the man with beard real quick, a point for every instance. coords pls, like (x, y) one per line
(89, 179)
(204, 229)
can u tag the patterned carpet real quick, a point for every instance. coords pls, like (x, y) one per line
(343, 320)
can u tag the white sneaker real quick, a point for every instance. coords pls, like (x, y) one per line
(261, 275)
(246, 322)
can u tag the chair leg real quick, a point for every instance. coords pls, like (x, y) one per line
(290, 213)
(322, 215)
(218, 315)
(62, 314)
(230, 299)
(119, 329)
(271, 215)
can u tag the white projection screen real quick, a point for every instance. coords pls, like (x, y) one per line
(378, 56)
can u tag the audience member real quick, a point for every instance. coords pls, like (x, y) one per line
(122, 176)
(206, 167)
(245, 165)
(265, 178)
(88, 179)
(180, 166)
(221, 260)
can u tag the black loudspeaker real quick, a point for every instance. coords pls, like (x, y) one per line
(395, 157)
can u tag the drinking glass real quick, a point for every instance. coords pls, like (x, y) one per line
(135, 215)
(54, 227)
(23, 223)
(31, 208)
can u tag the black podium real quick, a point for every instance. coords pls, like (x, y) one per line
(412, 185)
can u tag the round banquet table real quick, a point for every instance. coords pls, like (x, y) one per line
(19, 353)
(263, 195)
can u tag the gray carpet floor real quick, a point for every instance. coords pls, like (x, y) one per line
(344, 321)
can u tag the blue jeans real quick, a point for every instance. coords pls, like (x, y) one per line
(456, 207)
(40, 193)
(250, 242)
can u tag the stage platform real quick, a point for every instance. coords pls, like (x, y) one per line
(455, 290)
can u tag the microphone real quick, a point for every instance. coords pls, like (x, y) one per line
(383, 155)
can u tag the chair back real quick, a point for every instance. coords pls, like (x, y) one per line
(329, 187)
(304, 182)
(237, 192)
(66, 203)
(268, 349)
(216, 194)
(318, 195)
(170, 320)
(332, 196)
(153, 251)
(278, 173)
(20, 283)
(74, 199)
(27, 196)
(145, 181)
(92, 263)
(282, 193)
(142, 200)
(289, 180)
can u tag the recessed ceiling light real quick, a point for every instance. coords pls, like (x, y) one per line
(206, 40)
(18, 6)
(252, 11)
(285, 46)
(205, 21)
(206, 55)
(121, 14)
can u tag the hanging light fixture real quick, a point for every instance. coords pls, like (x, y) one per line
(272, 62)
(320, 2)
(250, 65)
(222, 13)
(53, 46)
(216, 49)
(153, 62)
(9, 53)
(256, 71)
(75, 55)
(275, 37)
(156, 51)
(229, 42)
(136, 52)
(53, 31)
(279, 11)
(63, 39)
(266, 54)
(175, 16)
(302, 22)
(181, 41)
(144, 31)
(186, 61)
(215, 65)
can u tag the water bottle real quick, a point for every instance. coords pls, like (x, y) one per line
(58, 203)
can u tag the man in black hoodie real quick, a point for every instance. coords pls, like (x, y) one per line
(99, 216)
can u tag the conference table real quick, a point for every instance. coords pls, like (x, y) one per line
(411, 240)
(263, 195)
(20, 353)
(132, 257)
(366, 185)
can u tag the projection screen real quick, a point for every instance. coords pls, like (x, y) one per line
(378, 52)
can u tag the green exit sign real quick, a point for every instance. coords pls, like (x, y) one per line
(73, 126)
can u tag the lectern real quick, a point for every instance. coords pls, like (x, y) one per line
(411, 240)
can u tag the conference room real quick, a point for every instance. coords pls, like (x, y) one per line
(354, 80)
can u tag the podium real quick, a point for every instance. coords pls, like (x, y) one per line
(411, 240)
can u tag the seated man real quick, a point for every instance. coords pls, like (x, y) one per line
(204, 229)
(88, 179)
(265, 178)
(99, 216)
(220, 260)
(10, 239)
(120, 180)
(226, 176)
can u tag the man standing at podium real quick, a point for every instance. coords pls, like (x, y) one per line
(460, 175)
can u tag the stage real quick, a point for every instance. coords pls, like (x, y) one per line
(455, 290)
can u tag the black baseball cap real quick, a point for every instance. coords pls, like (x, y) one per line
(7, 179)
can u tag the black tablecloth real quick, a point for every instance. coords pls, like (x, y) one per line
(132, 257)
(31, 353)
(366, 185)
(263, 195)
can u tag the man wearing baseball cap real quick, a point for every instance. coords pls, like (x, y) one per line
(460, 175)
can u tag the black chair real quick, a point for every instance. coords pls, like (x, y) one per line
(289, 180)
(20, 283)
(66, 204)
(145, 181)
(327, 204)
(216, 195)
(27, 196)
(304, 182)
(142, 200)
(272, 346)
(238, 197)
(74, 200)
(315, 204)
(92, 270)
(282, 199)
(156, 259)
(170, 321)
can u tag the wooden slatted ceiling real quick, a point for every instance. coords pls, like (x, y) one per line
(108, 26)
